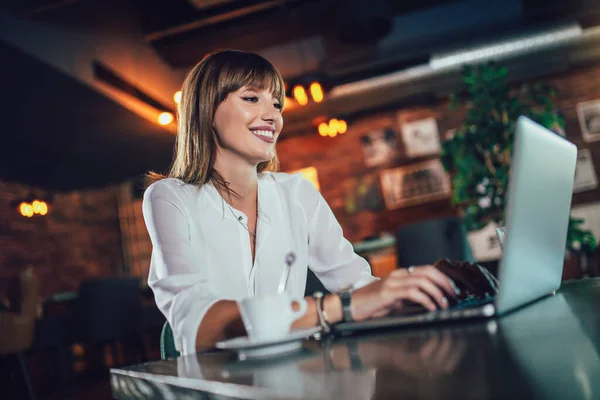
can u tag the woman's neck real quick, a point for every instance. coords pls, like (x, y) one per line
(242, 179)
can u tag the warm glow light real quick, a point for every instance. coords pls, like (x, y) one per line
(165, 118)
(310, 174)
(316, 91)
(300, 95)
(26, 209)
(332, 133)
(323, 129)
(342, 126)
(333, 125)
(37, 206)
(177, 97)
(43, 208)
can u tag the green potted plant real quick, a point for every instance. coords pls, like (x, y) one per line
(478, 156)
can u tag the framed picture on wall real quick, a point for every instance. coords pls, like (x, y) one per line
(415, 184)
(588, 113)
(585, 172)
(421, 137)
(362, 193)
(379, 146)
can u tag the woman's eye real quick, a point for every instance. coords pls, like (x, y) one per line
(278, 106)
(252, 99)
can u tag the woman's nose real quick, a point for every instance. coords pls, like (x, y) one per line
(270, 113)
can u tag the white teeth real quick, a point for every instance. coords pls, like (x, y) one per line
(268, 134)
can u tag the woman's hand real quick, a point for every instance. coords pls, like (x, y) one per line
(424, 285)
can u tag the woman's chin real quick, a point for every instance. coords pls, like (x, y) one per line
(264, 157)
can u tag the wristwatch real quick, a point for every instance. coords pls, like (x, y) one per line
(346, 297)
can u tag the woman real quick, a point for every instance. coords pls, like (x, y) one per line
(221, 222)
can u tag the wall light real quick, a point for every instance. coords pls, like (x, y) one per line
(165, 118)
(36, 207)
(177, 97)
(333, 128)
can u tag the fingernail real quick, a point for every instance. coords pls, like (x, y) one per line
(456, 289)
(444, 300)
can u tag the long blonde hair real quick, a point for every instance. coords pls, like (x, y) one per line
(205, 87)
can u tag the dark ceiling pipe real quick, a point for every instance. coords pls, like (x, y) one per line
(362, 22)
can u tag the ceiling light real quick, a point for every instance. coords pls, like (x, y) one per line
(316, 91)
(300, 95)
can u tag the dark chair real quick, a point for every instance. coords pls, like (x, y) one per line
(107, 311)
(313, 284)
(425, 242)
(167, 343)
(18, 324)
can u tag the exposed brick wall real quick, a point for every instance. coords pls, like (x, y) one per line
(79, 238)
(339, 159)
(579, 85)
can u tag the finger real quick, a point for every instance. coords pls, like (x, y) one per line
(430, 288)
(414, 294)
(425, 285)
(437, 277)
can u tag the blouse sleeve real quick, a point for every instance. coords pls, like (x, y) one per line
(330, 255)
(176, 275)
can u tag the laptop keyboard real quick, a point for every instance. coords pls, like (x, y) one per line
(461, 304)
(471, 301)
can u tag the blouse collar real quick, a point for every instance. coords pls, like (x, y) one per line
(266, 198)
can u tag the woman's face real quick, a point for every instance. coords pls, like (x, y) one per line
(248, 124)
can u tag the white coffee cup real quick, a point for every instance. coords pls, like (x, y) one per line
(270, 317)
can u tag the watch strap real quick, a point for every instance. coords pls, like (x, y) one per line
(346, 297)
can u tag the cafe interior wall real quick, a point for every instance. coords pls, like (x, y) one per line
(82, 235)
(79, 238)
(339, 160)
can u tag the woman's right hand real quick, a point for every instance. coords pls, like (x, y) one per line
(424, 285)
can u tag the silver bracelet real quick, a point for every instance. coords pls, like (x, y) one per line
(321, 314)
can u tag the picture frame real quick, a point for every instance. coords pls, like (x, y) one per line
(421, 137)
(415, 184)
(362, 193)
(588, 114)
(585, 172)
(379, 146)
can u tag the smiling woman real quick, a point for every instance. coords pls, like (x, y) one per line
(222, 221)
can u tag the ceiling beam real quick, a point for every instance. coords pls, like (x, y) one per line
(35, 8)
(211, 20)
(251, 33)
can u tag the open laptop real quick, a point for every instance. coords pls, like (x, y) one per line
(537, 217)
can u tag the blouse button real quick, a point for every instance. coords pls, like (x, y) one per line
(240, 218)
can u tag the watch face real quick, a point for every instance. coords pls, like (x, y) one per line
(345, 294)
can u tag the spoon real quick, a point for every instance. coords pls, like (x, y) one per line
(289, 260)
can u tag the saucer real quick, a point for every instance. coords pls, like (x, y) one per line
(248, 348)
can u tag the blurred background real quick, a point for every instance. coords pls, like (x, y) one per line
(90, 91)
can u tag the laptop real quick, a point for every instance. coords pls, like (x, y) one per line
(537, 217)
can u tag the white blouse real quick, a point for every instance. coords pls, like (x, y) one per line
(201, 250)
